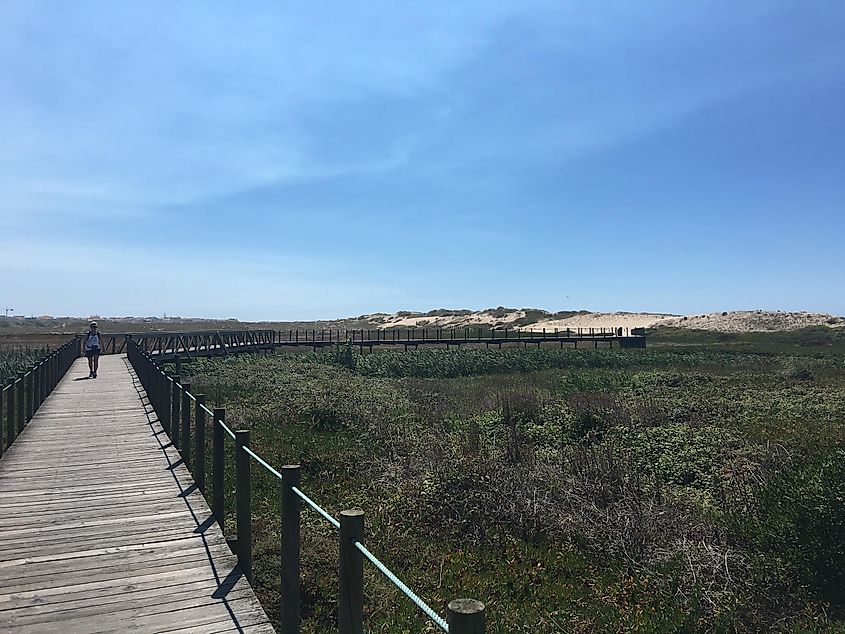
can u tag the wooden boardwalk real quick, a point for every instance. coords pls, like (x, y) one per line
(168, 346)
(102, 528)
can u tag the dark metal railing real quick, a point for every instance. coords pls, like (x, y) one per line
(190, 342)
(449, 335)
(170, 345)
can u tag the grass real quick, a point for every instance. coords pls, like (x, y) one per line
(692, 486)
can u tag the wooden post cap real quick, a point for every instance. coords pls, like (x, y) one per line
(466, 606)
(465, 616)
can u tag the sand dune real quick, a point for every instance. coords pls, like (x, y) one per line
(534, 319)
(603, 320)
(735, 321)
(754, 321)
(456, 320)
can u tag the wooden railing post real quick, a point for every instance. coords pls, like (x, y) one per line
(175, 409)
(157, 382)
(36, 379)
(57, 373)
(45, 380)
(154, 380)
(10, 412)
(36, 389)
(33, 384)
(30, 401)
(243, 503)
(199, 434)
(2, 427)
(218, 458)
(350, 599)
(465, 616)
(165, 413)
(185, 444)
(19, 400)
(290, 594)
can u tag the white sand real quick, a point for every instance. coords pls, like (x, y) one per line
(603, 320)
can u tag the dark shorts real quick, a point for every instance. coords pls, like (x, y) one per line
(92, 352)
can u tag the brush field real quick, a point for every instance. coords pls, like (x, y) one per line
(693, 486)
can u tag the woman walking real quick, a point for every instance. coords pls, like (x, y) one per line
(92, 349)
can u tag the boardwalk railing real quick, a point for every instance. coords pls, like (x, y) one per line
(202, 342)
(170, 345)
(23, 395)
(449, 335)
(172, 401)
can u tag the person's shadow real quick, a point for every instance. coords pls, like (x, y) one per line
(82, 378)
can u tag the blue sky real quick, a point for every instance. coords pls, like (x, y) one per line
(315, 160)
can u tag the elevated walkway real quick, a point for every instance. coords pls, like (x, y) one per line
(103, 529)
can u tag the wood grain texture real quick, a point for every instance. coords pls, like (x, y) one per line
(102, 527)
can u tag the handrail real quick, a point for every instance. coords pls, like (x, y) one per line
(319, 509)
(25, 393)
(262, 462)
(422, 605)
(331, 520)
(226, 429)
(427, 610)
(166, 393)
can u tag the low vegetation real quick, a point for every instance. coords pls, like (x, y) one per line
(17, 360)
(686, 487)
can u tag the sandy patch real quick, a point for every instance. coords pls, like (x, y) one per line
(603, 320)
(754, 321)
(471, 320)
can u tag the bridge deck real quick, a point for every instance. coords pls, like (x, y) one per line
(102, 528)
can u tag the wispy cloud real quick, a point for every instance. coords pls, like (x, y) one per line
(175, 104)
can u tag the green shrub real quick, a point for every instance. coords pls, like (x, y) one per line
(343, 355)
(440, 363)
(797, 528)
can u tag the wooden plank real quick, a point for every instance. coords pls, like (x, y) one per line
(79, 592)
(116, 572)
(94, 485)
(161, 619)
(97, 557)
(262, 628)
(50, 543)
(23, 530)
(110, 604)
(152, 585)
